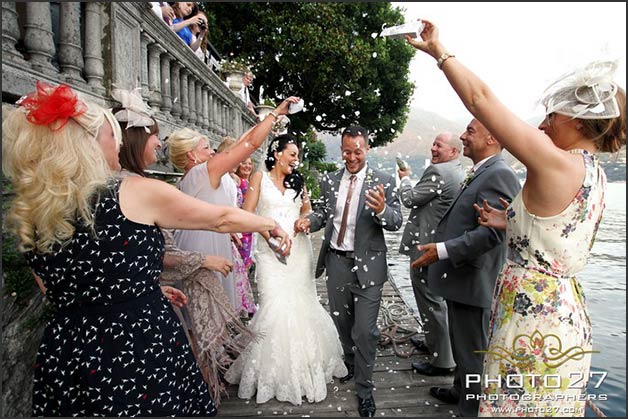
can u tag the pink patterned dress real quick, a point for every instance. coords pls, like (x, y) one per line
(247, 238)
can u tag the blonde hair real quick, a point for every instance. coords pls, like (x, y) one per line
(227, 143)
(179, 143)
(55, 175)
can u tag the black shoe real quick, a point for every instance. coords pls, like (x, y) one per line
(350, 373)
(419, 345)
(444, 395)
(425, 368)
(366, 407)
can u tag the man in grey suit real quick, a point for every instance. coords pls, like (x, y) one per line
(358, 203)
(465, 260)
(429, 199)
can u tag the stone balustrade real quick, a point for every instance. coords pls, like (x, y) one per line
(96, 46)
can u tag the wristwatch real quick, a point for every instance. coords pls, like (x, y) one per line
(443, 58)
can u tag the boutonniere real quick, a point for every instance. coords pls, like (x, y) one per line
(468, 179)
(369, 176)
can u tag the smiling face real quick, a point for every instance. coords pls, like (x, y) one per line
(245, 168)
(354, 150)
(287, 159)
(477, 141)
(443, 150)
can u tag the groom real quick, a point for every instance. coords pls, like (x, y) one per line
(358, 203)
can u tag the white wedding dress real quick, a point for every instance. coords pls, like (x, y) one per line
(297, 350)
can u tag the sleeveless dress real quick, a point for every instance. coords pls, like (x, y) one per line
(540, 323)
(196, 183)
(114, 347)
(297, 350)
(247, 238)
(245, 304)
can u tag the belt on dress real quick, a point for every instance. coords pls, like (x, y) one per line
(118, 307)
(343, 253)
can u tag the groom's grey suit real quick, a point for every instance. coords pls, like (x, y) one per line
(355, 279)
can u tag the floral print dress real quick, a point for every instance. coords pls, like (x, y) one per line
(540, 345)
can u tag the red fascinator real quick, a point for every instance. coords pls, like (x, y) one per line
(52, 105)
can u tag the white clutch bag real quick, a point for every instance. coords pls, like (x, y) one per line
(413, 29)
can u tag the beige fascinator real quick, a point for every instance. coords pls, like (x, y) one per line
(135, 112)
(586, 93)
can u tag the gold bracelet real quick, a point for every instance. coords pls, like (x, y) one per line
(441, 60)
(274, 115)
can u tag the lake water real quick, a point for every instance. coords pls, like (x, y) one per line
(604, 283)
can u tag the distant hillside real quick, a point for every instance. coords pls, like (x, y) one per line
(413, 145)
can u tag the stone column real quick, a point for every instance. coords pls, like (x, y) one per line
(154, 75)
(145, 40)
(183, 94)
(38, 36)
(166, 102)
(192, 98)
(175, 85)
(210, 112)
(70, 51)
(94, 67)
(10, 31)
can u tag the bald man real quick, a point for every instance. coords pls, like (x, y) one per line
(428, 201)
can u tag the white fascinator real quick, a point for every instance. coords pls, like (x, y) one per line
(135, 112)
(586, 93)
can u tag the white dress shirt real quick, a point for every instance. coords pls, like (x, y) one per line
(343, 190)
(441, 249)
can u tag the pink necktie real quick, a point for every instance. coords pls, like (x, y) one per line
(345, 212)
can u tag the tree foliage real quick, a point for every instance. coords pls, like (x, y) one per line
(328, 53)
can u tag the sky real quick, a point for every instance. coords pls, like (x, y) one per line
(518, 49)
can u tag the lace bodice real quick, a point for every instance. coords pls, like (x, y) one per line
(285, 209)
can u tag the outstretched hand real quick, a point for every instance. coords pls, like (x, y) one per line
(282, 109)
(429, 42)
(492, 217)
(429, 256)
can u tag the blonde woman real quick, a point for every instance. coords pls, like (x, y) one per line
(206, 177)
(114, 346)
(538, 309)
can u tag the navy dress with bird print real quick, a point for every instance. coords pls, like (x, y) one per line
(114, 346)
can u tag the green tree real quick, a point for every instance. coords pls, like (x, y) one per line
(328, 53)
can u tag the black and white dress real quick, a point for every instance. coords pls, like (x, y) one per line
(114, 346)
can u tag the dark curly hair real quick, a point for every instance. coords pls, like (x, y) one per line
(295, 179)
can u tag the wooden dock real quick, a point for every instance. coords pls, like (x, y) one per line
(398, 390)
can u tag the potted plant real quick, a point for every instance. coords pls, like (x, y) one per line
(233, 71)
(265, 108)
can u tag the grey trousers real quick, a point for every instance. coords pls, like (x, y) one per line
(354, 310)
(433, 311)
(468, 328)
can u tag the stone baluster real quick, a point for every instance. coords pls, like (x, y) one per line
(166, 102)
(70, 50)
(154, 75)
(211, 112)
(175, 85)
(204, 108)
(10, 31)
(94, 67)
(199, 104)
(38, 36)
(183, 94)
(191, 90)
(145, 40)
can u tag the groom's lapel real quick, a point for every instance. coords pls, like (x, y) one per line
(365, 185)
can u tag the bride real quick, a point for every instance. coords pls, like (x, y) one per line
(297, 351)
